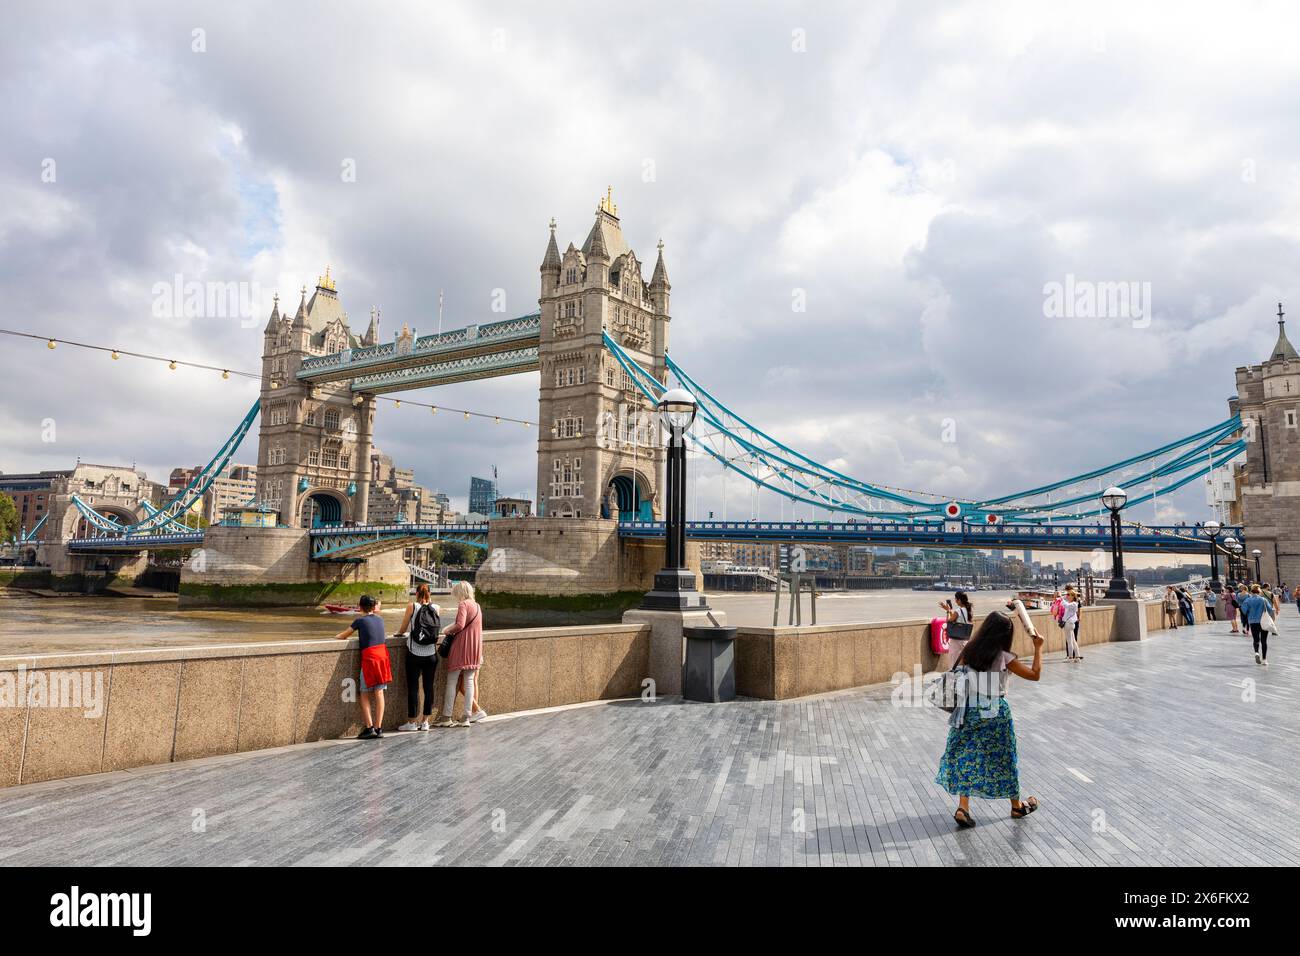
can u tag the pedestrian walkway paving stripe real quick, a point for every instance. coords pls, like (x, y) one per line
(1179, 750)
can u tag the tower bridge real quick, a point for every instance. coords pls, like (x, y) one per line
(599, 339)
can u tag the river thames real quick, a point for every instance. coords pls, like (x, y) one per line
(30, 624)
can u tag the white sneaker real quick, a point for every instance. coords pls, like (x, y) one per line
(1257, 657)
(409, 725)
(475, 717)
(444, 722)
(424, 725)
(463, 722)
(1265, 663)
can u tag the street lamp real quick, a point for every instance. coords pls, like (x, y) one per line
(1229, 550)
(1212, 529)
(674, 587)
(1258, 577)
(1241, 565)
(1114, 498)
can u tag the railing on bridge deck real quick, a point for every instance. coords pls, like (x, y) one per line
(137, 542)
(508, 337)
(360, 541)
(1063, 537)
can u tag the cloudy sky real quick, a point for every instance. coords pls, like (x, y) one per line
(913, 173)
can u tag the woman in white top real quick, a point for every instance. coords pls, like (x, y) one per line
(420, 625)
(960, 621)
(1070, 624)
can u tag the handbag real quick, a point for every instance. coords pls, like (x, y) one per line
(960, 631)
(1267, 624)
(444, 649)
(943, 689)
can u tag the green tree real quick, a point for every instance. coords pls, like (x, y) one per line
(9, 522)
(455, 552)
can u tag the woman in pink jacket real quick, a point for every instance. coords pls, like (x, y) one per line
(465, 656)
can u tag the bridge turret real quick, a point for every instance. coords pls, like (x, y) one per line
(1268, 400)
(372, 331)
(550, 268)
(597, 443)
(659, 284)
(273, 323)
(314, 440)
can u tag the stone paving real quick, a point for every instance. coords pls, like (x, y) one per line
(1176, 751)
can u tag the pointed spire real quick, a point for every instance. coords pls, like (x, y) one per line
(1283, 349)
(595, 244)
(273, 323)
(551, 262)
(300, 319)
(372, 331)
(660, 277)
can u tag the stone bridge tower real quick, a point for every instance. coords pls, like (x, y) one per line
(1268, 399)
(313, 459)
(599, 452)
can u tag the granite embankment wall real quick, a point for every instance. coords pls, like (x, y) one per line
(71, 714)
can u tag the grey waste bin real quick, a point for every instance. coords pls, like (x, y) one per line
(709, 673)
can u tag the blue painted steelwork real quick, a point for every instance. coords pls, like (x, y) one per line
(355, 543)
(943, 534)
(449, 372)
(175, 525)
(770, 464)
(26, 537)
(434, 359)
(184, 499)
(136, 542)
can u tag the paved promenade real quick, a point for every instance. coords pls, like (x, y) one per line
(1143, 754)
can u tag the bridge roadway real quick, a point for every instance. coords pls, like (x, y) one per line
(838, 779)
(333, 544)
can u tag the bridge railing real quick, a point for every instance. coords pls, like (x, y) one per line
(506, 330)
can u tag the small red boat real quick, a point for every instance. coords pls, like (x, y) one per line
(341, 609)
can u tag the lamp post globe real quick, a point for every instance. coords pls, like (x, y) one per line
(1258, 577)
(674, 587)
(678, 408)
(1212, 529)
(1114, 498)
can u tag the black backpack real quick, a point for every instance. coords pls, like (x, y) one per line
(425, 626)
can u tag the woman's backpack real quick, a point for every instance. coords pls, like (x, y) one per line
(425, 627)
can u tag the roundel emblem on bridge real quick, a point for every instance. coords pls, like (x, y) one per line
(952, 509)
(992, 519)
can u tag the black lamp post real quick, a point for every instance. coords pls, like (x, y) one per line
(1241, 562)
(1114, 498)
(1258, 577)
(1229, 552)
(1212, 529)
(674, 587)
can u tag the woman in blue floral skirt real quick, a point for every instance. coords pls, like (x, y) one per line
(980, 759)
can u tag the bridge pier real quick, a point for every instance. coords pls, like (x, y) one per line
(272, 567)
(566, 570)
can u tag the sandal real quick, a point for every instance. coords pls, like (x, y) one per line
(963, 818)
(1025, 808)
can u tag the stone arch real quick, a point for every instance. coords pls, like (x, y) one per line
(81, 528)
(628, 494)
(323, 507)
